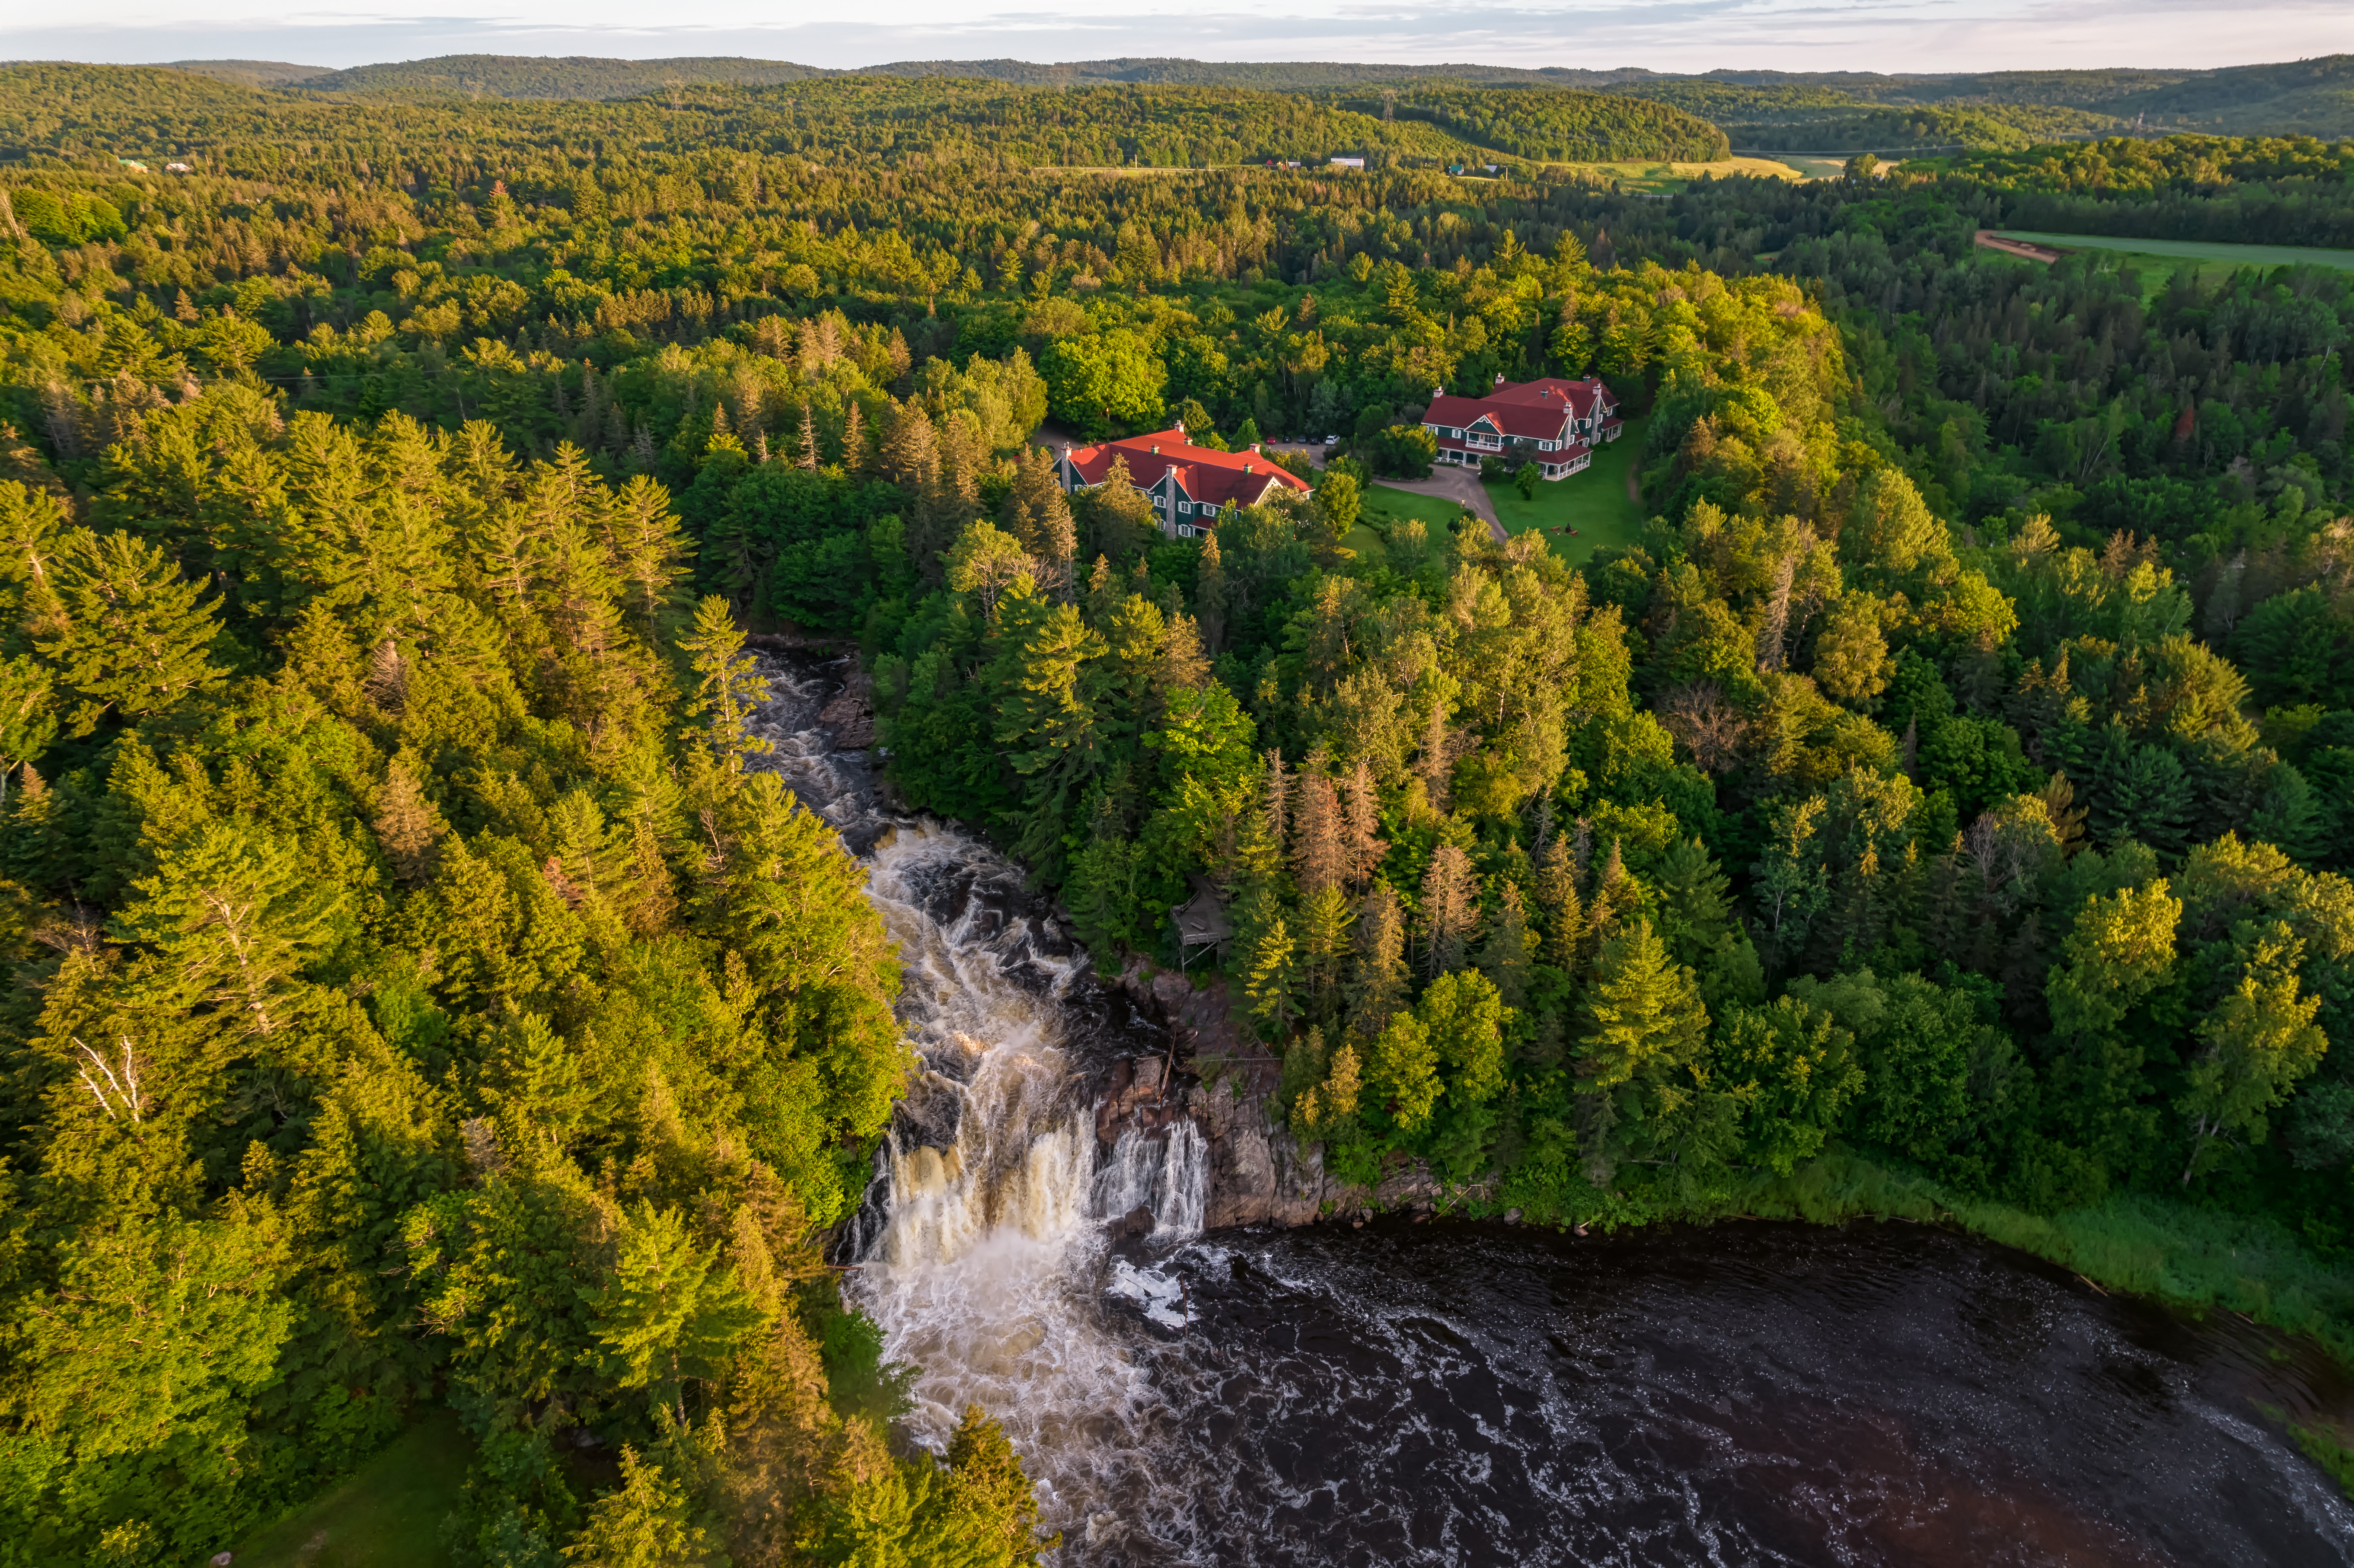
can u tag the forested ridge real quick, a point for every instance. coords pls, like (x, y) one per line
(420, 995)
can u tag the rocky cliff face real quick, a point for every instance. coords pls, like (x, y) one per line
(1219, 1078)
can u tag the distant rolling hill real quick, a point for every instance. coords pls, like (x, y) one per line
(574, 75)
(253, 73)
(1825, 111)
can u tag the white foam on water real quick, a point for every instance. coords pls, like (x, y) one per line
(988, 1270)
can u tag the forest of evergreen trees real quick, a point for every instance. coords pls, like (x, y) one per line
(417, 997)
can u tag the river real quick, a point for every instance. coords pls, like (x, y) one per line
(1454, 1392)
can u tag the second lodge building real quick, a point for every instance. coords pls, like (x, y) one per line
(1553, 423)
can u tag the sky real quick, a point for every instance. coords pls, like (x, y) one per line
(1663, 35)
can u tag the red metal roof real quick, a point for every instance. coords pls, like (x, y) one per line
(1219, 478)
(1532, 409)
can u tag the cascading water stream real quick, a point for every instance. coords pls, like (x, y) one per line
(982, 1250)
(1452, 1394)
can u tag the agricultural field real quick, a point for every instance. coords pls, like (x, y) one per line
(2158, 260)
(1594, 502)
(1809, 168)
(1667, 176)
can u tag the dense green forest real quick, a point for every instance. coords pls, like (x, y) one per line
(861, 121)
(1556, 127)
(1826, 119)
(420, 996)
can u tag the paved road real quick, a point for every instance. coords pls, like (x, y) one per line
(1458, 484)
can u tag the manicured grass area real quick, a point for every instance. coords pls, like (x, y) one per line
(1384, 506)
(388, 1515)
(1594, 502)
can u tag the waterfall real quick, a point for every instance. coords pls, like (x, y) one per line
(983, 1250)
(1168, 1175)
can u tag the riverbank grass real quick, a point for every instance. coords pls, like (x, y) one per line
(2168, 1251)
(388, 1514)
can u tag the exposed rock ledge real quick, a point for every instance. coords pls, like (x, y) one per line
(1224, 1082)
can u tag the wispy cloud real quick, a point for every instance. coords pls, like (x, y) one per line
(1676, 35)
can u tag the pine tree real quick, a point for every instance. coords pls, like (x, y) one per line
(726, 686)
(1210, 596)
(32, 531)
(648, 1521)
(648, 548)
(809, 456)
(1103, 593)
(1695, 915)
(672, 1312)
(1507, 954)
(28, 725)
(1616, 899)
(854, 458)
(1275, 797)
(230, 917)
(1325, 918)
(1271, 981)
(1449, 910)
(1643, 1010)
(1329, 1110)
(1318, 858)
(408, 826)
(1380, 981)
(991, 1509)
(1564, 916)
(1434, 759)
(135, 636)
(1183, 666)
(1360, 843)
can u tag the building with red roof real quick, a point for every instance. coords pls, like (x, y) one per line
(1553, 423)
(1190, 487)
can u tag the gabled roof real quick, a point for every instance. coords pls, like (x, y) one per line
(1532, 409)
(1241, 478)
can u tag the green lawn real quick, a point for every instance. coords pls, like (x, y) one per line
(1593, 502)
(1384, 506)
(389, 1515)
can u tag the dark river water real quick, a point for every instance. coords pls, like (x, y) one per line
(1456, 1393)
(1753, 1393)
